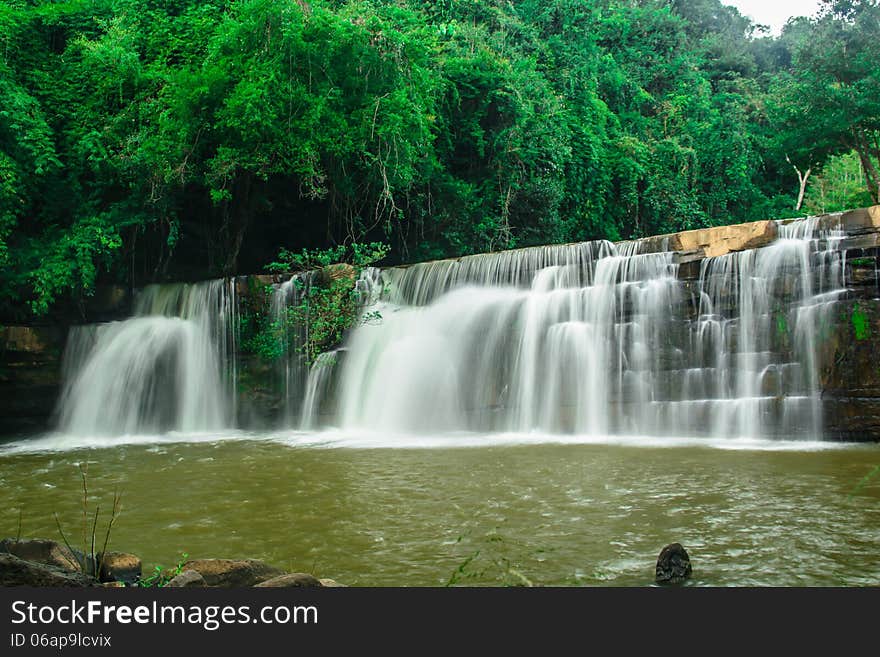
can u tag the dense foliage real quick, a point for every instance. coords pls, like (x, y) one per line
(326, 303)
(142, 140)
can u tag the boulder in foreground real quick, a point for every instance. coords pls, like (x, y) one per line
(290, 581)
(187, 579)
(18, 572)
(232, 573)
(42, 551)
(120, 567)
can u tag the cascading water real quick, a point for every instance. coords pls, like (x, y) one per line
(164, 369)
(753, 369)
(588, 339)
(421, 283)
(293, 368)
(320, 376)
(755, 339)
(597, 339)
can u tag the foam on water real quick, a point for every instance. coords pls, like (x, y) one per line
(341, 439)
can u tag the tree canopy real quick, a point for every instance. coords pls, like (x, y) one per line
(146, 140)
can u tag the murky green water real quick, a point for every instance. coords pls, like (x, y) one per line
(588, 514)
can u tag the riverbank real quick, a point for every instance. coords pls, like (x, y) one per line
(40, 562)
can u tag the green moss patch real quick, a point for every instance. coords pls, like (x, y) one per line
(861, 325)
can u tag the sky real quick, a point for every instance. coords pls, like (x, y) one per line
(774, 12)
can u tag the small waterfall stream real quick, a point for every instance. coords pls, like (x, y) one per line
(292, 366)
(169, 368)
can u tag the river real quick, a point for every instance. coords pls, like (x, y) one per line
(470, 510)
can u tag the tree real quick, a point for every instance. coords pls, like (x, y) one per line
(151, 140)
(830, 101)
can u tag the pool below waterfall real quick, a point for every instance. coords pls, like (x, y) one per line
(467, 509)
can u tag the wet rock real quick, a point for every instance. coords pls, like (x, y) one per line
(107, 303)
(30, 377)
(290, 581)
(18, 572)
(719, 240)
(187, 579)
(860, 220)
(673, 565)
(233, 573)
(340, 271)
(45, 341)
(330, 583)
(252, 287)
(845, 355)
(42, 551)
(120, 567)
(852, 419)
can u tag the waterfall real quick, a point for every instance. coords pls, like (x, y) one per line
(292, 366)
(756, 334)
(592, 339)
(421, 283)
(316, 388)
(598, 339)
(170, 367)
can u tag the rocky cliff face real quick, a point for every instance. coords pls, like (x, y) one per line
(31, 360)
(30, 376)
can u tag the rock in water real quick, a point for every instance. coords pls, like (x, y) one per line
(120, 567)
(330, 583)
(293, 580)
(673, 565)
(40, 550)
(232, 573)
(18, 572)
(186, 580)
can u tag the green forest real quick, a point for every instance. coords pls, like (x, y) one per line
(153, 140)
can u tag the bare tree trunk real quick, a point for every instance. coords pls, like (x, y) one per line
(803, 187)
(803, 178)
